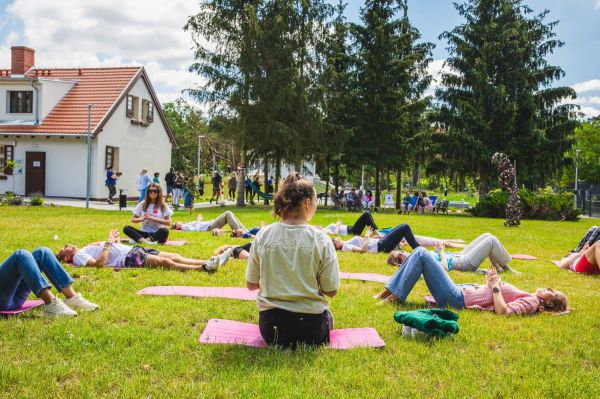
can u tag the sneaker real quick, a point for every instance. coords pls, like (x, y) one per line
(225, 256)
(132, 241)
(80, 303)
(57, 308)
(212, 265)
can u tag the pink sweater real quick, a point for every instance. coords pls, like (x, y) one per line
(517, 301)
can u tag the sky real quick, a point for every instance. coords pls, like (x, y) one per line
(75, 33)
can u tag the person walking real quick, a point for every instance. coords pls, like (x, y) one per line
(143, 181)
(216, 183)
(177, 189)
(111, 183)
(169, 177)
(231, 186)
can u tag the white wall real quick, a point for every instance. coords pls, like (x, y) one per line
(51, 92)
(139, 147)
(65, 165)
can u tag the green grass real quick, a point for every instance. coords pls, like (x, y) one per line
(148, 346)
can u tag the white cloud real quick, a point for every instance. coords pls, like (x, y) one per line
(590, 111)
(73, 33)
(589, 85)
(435, 69)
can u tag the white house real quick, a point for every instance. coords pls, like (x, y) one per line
(44, 128)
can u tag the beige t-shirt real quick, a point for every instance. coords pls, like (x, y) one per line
(290, 262)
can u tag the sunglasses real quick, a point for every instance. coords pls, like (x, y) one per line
(153, 191)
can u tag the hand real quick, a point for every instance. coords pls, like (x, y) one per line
(492, 278)
(200, 218)
(369, 232)
(113, 236)
(439, 246)
(148, 216)
(339, 222)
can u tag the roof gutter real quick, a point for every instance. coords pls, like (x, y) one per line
(83, 134)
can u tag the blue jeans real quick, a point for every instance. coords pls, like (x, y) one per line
(21, 273)
(422, 263)
(142, 194)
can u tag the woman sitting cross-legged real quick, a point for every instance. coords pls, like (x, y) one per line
(585, 261)
(502, 298)
(154, 215)
(294, 266)
(469, 259)
(113, 254)
(21, 274)
(375, 245)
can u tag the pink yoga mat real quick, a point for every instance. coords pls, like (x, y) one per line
(523, 257)
(26, 306)
(378, 278)
(201, 292)
(218, 331)
(175, 243)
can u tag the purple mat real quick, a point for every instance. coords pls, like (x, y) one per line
(218, 331)
(523, 257)
(26, 306)
(201, 292)
(378, 278)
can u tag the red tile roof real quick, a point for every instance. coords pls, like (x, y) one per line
(102, 87)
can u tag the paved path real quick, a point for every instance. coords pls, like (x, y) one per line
(77, 203)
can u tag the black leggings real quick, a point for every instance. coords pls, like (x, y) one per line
(238, 250)
(364, 220)
(393, 238)
(288, 329)
(160, 235)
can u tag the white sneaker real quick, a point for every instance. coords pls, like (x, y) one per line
(225, 256)
(212, 265)
(80, 303)
(132, 241)
(57, 308)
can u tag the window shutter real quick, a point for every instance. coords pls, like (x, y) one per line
(108, 158)
(129, 108)
(150, 113)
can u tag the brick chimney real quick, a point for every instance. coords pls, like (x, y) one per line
(23, 58)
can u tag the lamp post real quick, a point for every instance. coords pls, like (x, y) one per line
(200, 137)
(88, 185)
(576, 174)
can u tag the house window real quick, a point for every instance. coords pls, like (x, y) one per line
(6, 154)
(133, 107)
(111, 158)
(20, 102)
(129, 108)
(147, 111)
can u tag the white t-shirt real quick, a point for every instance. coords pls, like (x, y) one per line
(357, 242)
(116, 254)
(149, 226)
(343, 229)
(197, 226)
(290, 263)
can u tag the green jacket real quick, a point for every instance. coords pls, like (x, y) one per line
(440, 322)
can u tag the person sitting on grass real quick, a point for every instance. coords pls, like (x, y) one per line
(294, 266)
(111, 253)
(215, 226)
(469, 259)
(496, 296)
(585, 261)
(154, 215)
(21, 274)
(374, 245)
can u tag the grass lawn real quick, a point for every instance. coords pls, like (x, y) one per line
(148, 346)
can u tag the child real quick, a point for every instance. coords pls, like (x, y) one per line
(294, 266)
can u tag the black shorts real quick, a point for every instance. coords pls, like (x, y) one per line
(136, 257)
(288, 329)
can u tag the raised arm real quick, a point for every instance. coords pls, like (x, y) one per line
(439, 248)
(494, 281)
(113, 237)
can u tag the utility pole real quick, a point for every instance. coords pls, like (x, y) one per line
(576, 174)
(89, 158)
(200, 137)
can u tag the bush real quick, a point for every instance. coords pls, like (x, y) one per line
(11, 199)
(37, 199)
(542, 205)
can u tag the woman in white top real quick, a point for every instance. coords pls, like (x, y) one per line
(294, 266)
(386, 243)
(154, 215)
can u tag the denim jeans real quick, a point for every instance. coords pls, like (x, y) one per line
(393, 238)
(21, 273)
(142, 194)
(422, 263)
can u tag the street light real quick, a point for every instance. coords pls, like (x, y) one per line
(576, 173)
(88, 185)
(200, 137)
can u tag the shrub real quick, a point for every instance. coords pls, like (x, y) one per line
(11, 199)
(37, 199)
(543, 205)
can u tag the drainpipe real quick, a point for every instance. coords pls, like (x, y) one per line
(37, 102)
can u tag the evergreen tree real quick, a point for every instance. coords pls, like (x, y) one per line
(498, 96)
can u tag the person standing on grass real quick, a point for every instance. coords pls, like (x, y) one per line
(248, 187)
(232, 186)
(295, 267)
(111, 183)
(142, 183)
(169, 178)
(21, 274)
(154, 215)
(177, 189)
(216, 186)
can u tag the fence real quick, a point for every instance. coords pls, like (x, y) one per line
(588, 199)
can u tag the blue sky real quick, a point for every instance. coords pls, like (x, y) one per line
(127, 32)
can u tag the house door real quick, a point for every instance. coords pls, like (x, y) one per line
(35, 173)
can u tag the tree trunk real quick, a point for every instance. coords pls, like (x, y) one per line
(483, 182)
(241, 178)
(415, 176)
(277, 171)
(326, 181)
(336, 176)
(377, 186)
(398, 187)
(266, 176)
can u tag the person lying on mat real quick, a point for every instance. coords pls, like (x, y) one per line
(238, 252)
(21, 274)
(502, 298)
(374, 245)
(294, 266)
(585, 261)
(590, 238)
(154, 215)
(467, 260)
(215, 226)
(112, 253)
